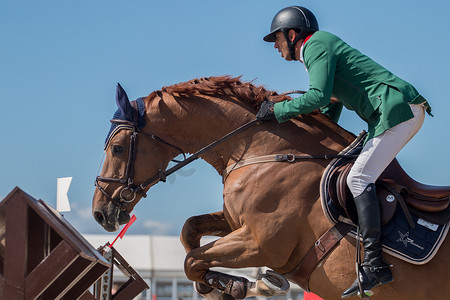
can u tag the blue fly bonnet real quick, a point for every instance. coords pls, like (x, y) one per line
(127, 112)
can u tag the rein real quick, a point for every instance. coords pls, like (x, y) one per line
(163, 174)
(128, 194)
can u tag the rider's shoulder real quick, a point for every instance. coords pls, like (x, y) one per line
(324, 37)
(321, 41)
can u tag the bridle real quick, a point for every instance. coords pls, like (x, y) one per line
(129, 192)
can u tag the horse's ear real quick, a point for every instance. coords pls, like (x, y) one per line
(124, 103)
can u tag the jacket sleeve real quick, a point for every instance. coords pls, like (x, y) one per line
(332, 110)
(321, 66)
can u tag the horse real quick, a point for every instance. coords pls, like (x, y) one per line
(271, 214)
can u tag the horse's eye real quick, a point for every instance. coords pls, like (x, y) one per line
(116, 149)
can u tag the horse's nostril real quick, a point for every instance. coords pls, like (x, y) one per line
(99, 217)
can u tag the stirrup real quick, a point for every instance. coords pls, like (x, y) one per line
(368, 274)
(366, 294)
(370, 280)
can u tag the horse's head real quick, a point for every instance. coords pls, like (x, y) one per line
(190, 115)
(133, 162)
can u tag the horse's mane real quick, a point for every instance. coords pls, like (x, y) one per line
(244, 91)
(226, 85)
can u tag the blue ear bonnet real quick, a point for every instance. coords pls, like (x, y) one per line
(138, 119)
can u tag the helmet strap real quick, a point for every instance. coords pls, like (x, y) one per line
(291, 45)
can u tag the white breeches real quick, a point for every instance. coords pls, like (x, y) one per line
(379, 151)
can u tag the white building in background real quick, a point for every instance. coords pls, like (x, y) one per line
(159, 260)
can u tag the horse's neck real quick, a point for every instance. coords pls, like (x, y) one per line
(194, 122)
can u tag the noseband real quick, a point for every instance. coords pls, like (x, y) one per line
(129, 192)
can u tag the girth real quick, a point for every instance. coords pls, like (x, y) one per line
(321, 249)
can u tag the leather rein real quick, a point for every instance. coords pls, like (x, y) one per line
(129, 193)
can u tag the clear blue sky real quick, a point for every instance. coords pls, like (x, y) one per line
(60, 62)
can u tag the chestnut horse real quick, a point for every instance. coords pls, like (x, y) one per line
(271, 211)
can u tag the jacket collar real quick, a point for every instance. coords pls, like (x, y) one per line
(303, 45)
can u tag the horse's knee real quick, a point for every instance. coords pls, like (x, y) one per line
(193, 268)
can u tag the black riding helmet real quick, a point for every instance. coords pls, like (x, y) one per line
(298, 18)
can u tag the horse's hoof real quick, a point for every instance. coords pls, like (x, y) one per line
(272, 284)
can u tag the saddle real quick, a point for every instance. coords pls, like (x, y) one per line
(394, 187)
(415, 217)
(404, 204)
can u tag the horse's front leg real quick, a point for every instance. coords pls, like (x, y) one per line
(236, 250)
(213, 224)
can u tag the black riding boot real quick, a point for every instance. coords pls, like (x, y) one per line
(374, 271)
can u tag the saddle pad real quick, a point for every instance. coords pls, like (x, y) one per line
(415, 245)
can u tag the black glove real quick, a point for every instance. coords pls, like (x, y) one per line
(266, 111)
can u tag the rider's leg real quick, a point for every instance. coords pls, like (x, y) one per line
(374, 158)
(379, 151)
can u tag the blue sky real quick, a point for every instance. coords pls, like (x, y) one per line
(60, 62)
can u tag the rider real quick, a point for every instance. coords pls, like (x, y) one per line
(392, 108)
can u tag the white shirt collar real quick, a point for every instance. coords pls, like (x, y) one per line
(301, 53)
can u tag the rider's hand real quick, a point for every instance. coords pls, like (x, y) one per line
(266, 111)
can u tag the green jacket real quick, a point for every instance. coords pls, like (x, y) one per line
(336, 69)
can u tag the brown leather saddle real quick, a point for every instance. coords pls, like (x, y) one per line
(394, 187)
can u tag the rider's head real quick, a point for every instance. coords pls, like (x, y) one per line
(290, 25)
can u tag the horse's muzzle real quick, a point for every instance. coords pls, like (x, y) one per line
(111, 217)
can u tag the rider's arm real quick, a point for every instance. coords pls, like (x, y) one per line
(333, 110)
(321, 66)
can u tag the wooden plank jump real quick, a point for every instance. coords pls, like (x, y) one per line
(41, 255)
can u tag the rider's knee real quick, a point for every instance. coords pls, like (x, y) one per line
(357, 182)
(351, 180)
